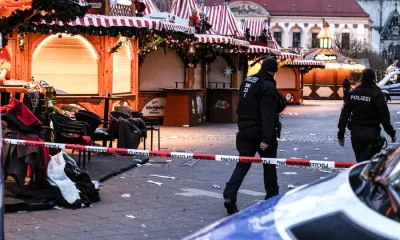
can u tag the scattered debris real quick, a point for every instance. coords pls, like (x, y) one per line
(281, 150)
(126, 195)
(398, 112)
(148, 164)
(281, 140)
(122, 177)
(397, 122)
(139, 165)
(325, 158)
(216, 186)
(317, 149)
(37, 227)
(325, 171)
(143, 225)
(289, 173)
(287, 132)
(57, 207)
(168, 160)
(322, 177)
(295, 149)
(157, 183)
(22, 212)
(160, 176)
(130, 216)
(290, 186)
(138, 160)
(295, 114)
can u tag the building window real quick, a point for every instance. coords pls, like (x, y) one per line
(296, 39)
(345, 40)
(278, 37)
(314, 40)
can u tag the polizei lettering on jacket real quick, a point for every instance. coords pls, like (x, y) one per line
(360, 98)
(248, 85)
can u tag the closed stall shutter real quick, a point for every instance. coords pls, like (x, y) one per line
(68, 63)
(122, 70)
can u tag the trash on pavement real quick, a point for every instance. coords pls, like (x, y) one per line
(281, 150)
(157, 183)
(290, 186)
(281, 140)
(96, 184)
(289, 173)
(138, 160)
(160, 176)
(168, 160)
(126, 195)
(313, 134)
(295, 114)
(57, 207)
(216, 186)
(143, 225)
(139, 165)
(325, 158)
(317, 149)
(295, 149)
(122, 177)
(130, 216)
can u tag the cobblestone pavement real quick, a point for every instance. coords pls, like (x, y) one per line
(188, 201)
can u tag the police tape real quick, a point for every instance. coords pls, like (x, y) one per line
(209, 157)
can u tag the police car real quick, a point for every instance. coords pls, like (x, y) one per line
(362, 202)
(390, 85)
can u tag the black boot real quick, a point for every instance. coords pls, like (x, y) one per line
(230, 206)
(272, 192)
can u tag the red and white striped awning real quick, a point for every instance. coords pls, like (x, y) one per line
(306, 63)
(254, 49)
(183, 8)
(91, 20)
(256, 28)
(223, 21)
(286, 55)
(178, 28)
(150, 7)
(204, 38)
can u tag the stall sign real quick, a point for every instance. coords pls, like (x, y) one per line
(325, 57)
(154, 108)
(167, 17)
(97, 7)
(222, 104)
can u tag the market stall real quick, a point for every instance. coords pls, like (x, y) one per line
(102, 50)
(327, 83)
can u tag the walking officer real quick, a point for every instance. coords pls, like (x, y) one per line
(364, 110)
(346, 87)
(258, 108)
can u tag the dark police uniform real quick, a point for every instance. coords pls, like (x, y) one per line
(346, 88)
(258, 108)
(364, 110)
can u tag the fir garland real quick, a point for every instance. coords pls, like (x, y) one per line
(118, 45)
(49, 10)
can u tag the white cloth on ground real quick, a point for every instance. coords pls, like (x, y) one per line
(56, 177)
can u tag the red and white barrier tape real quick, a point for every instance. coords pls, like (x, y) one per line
(211, 157)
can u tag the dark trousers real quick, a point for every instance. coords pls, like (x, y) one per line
(363, 140)
(248, 148)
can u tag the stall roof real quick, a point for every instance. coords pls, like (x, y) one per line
(256, 26)
(183, 8)
(341, 62)
(150, 7)
(91, 20)
(223, 21)
(255, 49)
(286, 55)
(205, 38)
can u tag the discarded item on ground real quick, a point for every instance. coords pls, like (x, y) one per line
(168, 160)
(295, 114)
(126, 195)
(289, 173)
(313, 134)
(157, 183)
(216, 186)
(317, 149)
(121, 177)
(138, 160)
(281, 140)
(57, 207)
(290, 186)
(143, 225)
(160, 176)
(57, 177)
(130, 216)
(22, 212)
(325, 158)
(139, 165)
(281, 150)
(295, 149)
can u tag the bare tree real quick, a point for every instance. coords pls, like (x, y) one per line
(349, 48)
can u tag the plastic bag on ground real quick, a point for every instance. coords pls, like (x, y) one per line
(57, 177)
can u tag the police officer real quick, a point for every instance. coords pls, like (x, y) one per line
(346, 87)
(258, 107)
(364, 110)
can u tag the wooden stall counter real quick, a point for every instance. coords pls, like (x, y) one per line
(222, 105)
(184, 107)
(11, 91)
